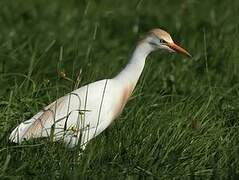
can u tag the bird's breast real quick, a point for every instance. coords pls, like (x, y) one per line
(122, 100)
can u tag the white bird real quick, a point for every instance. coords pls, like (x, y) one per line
(85, 112)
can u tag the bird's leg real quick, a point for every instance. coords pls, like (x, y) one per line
(81, 150)
(82, 147)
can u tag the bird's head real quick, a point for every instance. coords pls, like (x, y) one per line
(160, 39)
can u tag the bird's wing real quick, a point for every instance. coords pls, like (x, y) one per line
(84, 112)
(38, 125)
(63, 114)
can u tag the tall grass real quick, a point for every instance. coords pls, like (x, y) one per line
(182, 121)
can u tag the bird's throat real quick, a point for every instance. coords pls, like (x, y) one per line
(130, 75)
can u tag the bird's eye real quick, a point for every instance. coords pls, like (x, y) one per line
(162, 41)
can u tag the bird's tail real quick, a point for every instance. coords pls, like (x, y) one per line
(33, 128)
(19, 133)
(38, 126)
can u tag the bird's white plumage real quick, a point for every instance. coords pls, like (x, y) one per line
(84, 113)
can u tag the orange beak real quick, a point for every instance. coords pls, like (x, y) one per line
(178, 49)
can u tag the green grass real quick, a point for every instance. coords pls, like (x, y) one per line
(182, 121)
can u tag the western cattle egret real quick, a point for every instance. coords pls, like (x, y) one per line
(85, 112)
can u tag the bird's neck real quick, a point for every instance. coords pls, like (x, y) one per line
(131, 73)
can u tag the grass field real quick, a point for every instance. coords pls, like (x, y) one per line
(182, 121)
